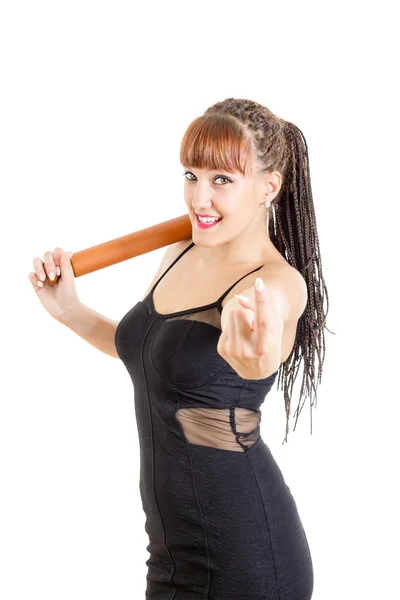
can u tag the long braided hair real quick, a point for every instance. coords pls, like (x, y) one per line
(232, 134)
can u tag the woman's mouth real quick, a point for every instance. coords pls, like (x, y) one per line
(208, 224)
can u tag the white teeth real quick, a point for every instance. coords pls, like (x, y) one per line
(208, 220)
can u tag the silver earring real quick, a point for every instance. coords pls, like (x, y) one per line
(267, 204)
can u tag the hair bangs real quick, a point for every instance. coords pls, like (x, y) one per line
(217, 142)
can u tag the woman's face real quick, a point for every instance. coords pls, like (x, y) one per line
(235, 197)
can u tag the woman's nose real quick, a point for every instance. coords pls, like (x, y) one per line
(200, 200)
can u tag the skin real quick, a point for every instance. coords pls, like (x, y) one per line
(241, 237)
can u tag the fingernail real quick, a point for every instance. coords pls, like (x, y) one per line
(51, 275)
(243, 298)
(58, 271)
(40, 283)
(259, 284)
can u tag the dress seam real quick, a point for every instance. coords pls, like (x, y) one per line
(153, 467)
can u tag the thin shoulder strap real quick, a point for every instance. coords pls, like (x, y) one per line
(232, 286)
(172, 264)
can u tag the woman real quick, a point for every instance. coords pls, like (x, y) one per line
(221, 521)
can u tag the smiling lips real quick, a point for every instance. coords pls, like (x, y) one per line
(205, 225)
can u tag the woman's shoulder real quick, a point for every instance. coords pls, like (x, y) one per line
(171, 253)
(173, 250)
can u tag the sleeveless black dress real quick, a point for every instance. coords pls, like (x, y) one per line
(221, 521)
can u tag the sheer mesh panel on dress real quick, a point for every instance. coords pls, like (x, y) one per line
(234, 428)
(211, 316)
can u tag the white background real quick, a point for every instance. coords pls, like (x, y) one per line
(95, 98)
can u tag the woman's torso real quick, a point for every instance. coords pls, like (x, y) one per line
(186, 286)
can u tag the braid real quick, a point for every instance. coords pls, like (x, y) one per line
(237, 128)
(295, 235)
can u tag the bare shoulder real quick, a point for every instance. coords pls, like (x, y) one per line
(290, 284)
(171, 253)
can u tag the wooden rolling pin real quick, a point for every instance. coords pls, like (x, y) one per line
(129, 246)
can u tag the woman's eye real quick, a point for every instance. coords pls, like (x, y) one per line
(216, 177)
(223, 177)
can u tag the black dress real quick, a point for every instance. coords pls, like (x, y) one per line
(221, 521)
